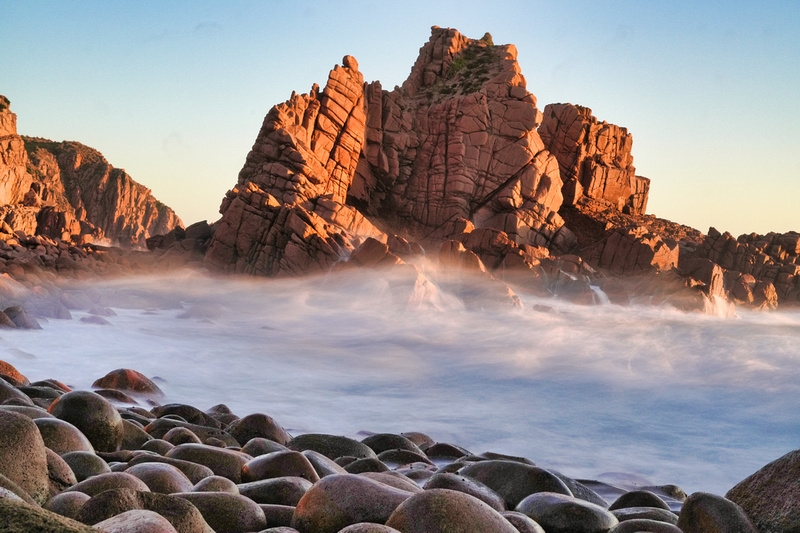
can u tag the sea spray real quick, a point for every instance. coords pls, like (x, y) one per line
(676, 397)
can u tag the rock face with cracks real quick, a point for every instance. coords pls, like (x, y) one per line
(331, 168)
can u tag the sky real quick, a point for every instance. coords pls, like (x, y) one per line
(175, 92)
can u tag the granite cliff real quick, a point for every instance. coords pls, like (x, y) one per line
(68, 191)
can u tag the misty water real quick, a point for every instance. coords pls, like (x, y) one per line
(672, 397)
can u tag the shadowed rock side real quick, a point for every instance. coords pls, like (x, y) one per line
(69, 191)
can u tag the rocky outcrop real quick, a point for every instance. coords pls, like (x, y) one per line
(458, 141)
(83, 187)
(454, 148)
(760, 270)
(594, 158)
(68, 191)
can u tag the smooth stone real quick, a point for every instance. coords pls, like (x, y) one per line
(445, 451)
(21, 318)
(226, 512)
(258, 425)
(467, 485)
(402, 457)
(7, 369)
(136, 521)
(216, 484)
(331, 446)
(708, 513)
(280, 529)
(21, 517)
(127, 380)
(61, 476)
(649, 513)
(559, 513)
(9, 392)
(522, 523)
(443, 510)
(394, 479)
(34, 392)
(31, 411)
(638, 498)
(133, 436)
(514, 481)
(221, 461)
(368, 527)
(286, 490)
(277, 515)
(183, 516)
(159, 427)
(67, 504)
(112, 480)
(85, 464)
(23, 458)
(770, 495)
(581, 491)
(161, 477)
(93, 415)
(639, 525)
(389, 441)
(367, 464)
(159, 446)
(261, 446)
(323, 465)
(495, 455)
(63, 437)
(279, 464)
(9, 489)
(189, 413)
(195, 472)
(340, 500)
(420, 439)
(181, 435)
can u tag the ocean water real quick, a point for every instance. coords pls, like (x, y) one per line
(589, 390)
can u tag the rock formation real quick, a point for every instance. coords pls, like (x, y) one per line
(69, 191)
(455, 147)
(594, 158)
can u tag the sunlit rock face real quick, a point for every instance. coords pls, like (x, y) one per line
(65, 190)
(594, 158)
(454, 148)
(287, 213)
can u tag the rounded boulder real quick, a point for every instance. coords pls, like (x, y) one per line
(559, 513)
(444, 510)
(340, 500)
(23, 458)
(93, 415)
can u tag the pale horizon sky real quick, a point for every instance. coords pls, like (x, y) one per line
(175, 92)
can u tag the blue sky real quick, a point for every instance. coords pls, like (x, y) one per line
(175, 92)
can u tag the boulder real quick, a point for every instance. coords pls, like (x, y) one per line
(769, 496)
(558, 513)
(338, 501)
(709, 513)
(93, 415)
(23, 458)
(443, 510)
